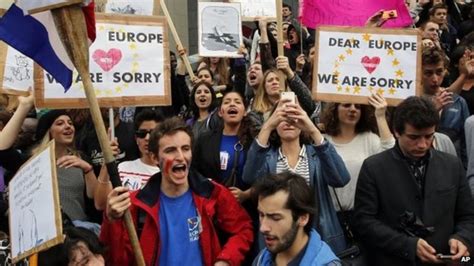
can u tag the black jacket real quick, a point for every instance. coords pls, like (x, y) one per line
(386, 189)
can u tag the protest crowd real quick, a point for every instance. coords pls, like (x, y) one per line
(235, 172)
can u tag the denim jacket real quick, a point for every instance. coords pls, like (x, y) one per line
(325, 167)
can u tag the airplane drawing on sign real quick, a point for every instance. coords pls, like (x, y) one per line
(221, 37)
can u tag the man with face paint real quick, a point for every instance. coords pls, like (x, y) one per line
(178, 211)
(286, 209)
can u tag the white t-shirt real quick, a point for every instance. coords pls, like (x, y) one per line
(353, 154)
(135, 174)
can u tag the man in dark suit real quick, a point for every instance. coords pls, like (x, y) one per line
(413, 202)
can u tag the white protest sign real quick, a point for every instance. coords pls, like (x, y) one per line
(132, 7)
(128, 64)
(35, 217)
(352, 63)
(219, 30)
(16, 71)
(251, 9)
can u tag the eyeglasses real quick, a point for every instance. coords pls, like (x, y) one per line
(141, 133)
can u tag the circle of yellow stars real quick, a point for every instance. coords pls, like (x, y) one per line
(135, 67)
(356, 89)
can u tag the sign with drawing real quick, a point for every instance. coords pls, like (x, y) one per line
(252, 9)
(352, 63)
(129, 66)
(16, 71)
(219, 29)
(133, 7)
(35, 216)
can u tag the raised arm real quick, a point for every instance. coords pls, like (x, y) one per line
(10, 132)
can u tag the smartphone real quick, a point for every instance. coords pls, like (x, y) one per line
(389, 14)
(288, 96)
(444, 257)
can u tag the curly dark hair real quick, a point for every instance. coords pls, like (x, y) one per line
(419, 112)
(433, 56)
(330, 119)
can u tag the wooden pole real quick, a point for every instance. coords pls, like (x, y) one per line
(177, 39)
(281, 75)
(72, 29)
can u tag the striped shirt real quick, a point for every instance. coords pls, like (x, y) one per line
(301, 168)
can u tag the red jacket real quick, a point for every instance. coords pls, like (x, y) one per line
(217, 208)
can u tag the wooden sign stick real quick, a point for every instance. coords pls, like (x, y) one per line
(176, 39)
(72, 29)
(281, 52)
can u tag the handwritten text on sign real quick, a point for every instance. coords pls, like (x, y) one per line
(32, 204)
(358, 64)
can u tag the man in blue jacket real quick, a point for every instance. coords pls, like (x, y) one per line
(286, 209)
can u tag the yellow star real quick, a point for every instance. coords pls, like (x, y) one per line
(133, 46)
(349, 51)
(118, 89)
(342, 57)
(366, 37)
(121, 30)
(101, 27)
(339, 88)
(391, 91)
(348, 89)
(395, 62)
(390, 51)
(135, 55)
(399, 73)
(98, 92)
(380, 91)
(336, 65)
(336, 73)
(135, 64)
(371, 88)
(111, 29)
(125, 85)
(108, 92)
(356, 90)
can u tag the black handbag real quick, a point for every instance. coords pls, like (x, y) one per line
(353, 255)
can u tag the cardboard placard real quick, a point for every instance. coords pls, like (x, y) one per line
(219, 29)
(16, 71)
(34, 210)
(352, 63)
(253, 9)
(128, 64)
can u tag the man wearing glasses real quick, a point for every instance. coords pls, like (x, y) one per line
(133, 174)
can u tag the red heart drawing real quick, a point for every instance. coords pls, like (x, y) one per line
(107, 60)
(370, 64)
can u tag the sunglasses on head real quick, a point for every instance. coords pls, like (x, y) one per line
(141, 133)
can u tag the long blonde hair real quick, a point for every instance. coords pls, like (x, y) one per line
(261, 102)
(221, 75)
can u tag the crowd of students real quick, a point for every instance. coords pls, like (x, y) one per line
(234, 174)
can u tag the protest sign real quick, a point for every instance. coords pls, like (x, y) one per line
(314, 13)
(352, 63)
(128, 64)
(219, 29)
(42, 5)
(35, 216)
(16, 71)
(252, 9)
(133, 7)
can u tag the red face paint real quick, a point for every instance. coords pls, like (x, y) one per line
(167, 166)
